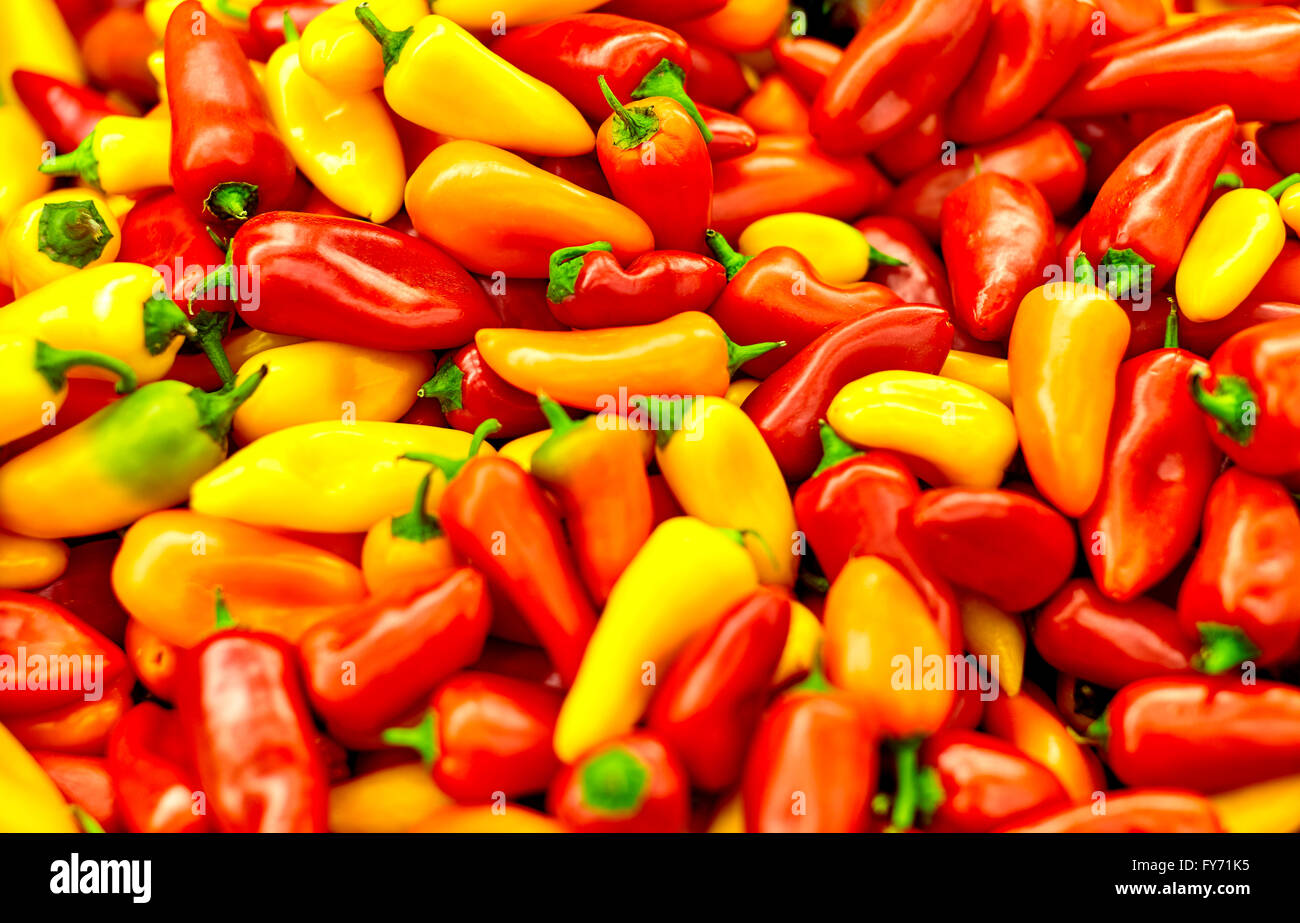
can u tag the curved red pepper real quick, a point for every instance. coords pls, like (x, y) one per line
(909, 57)
(85, 589)
(1145, 810)
(79, 727)
(1242, 594)
(162, 231)
(806, 62)
(732, 135)
(1086, 634)
(1003, 544)
(1042, 154)
(369, 666)
(787, 406)
(227, 160)
(911, 269)
(244, 713)
(347, 280)
(710, 702)
(85, 782)
(154, 774)
(1204, 338)
(65, 112)
(1126, 18)
(632, 784)
(998, 240)
(914, 148)
(588, 288)
(1204, 733)
(266, 22)
(715, 77)
(469, 393)
(519, 302)
(779, 294)
(985, 782)
(1106, 141)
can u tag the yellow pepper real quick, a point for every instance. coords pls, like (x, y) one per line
(740, 389)
(1265, 807)
(1234, 245)
(520, 451)
(157, 64)
(35, 382)
(123, 154)
(337, 50)
(112, 309)
(441, 77)
(246, 344)
(802, 644)
(495, 16)
(30, 802)
(409, 551)
(988, 373)
(35, 37)
(317, 381)
(345, 143)
(682, 581)
(992, 633)
(327, 477)
(30, 563)
(387, 800)
(231, 13)
(838, 251)
(54, 236)
(721, 471)
(964, 434)
(20, 154)
(1289, 205)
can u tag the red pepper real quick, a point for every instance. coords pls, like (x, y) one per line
(732, 135)
(858, 503)
(80, 726)
(1003, 544)
(915, 148)
(369, 666)
(1042, 154)
(998, 241)
(984, 781)
(154, 774)
(1209, 734)
(1279, 142)
(116, 49)
(791, 401)
(1145, 213)
(65, 112)
(1032, 49)
(812, 765)
(1242, 595)
(716, 77)
(632, 784)
(779, 294)
(266, 30)
(711, 701)
(160, 230)
(908, 58)
(1105, 140)
(806, 62)
(50, 659)
(1282, 281)
(520, 661)
(1145, 810)
(1250, 398)
(1126, 18)
(1246, 59)
(85, 782)
(790, 173)
(1244, 165)
(1086, 634)
(469, 393)
(245, 717)
(85, 589)
(352, 281)
(588, 288)
(904, 263)
(671, 186)
(519, 302)
(227, 162)
(1204, 338)
(582, 170)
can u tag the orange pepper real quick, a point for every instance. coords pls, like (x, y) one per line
(171, 563)
(153, 660)
(1066, 345)
(80, 727)
(1028, 722)
(497, 213)
(686, 355)
(484, 818)
(741, 25)
(407, 551)
(776, 108)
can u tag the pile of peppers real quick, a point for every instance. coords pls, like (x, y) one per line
(649, 417)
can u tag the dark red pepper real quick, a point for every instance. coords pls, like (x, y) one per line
(1145, 810)
(266, 22)
(162, 231)
(904, 262)
(715, 77)
(519, 302)
(154, 775)
(732, 135)
(469, 393)
(806, 62)
(85, 589)
(65, 112)
(1204, 338)
(984, 782)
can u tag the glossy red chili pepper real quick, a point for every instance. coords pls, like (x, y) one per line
(1084, 633)
(1242, 594)
(1244, 165)
(715, 77)
(907, 59)
(1195, 64)
(582, 170)
(469, 393)
(227, 159)
(806, 62)
(998, 240)
(1042, 154)
(915, 148)
(1279, 142)
(84, 587)
(910, 268)
(779, 294)
(266, 22)
(519, 661)
(1145, 810)
(588, 288)
(1250, 400)
(154, 774)
(371, 665)
(348, 280)
(1003, 544)
(245, 717)
(85, 782)
(984, 781)
(791, 173)
(732, 135)
(1204, 338)
(1126, 18)
(710, 703)
(1209, 734)
(1105, 141)
(162, 231)
(519, 302)
(632, 784)
(65, 112)
(791, 401)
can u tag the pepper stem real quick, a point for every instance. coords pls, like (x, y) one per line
(418, 525)
(1222, 648)
(223, 619)
(445, 387)
(1171, 326)
(633, 126)
(565, 267)
(223, 275)
(164, 321)
(834, 449)
(451, 466)
(1283, 185)
(615, 782)
(1099, 731)
(731, 261)
(210, 327)
(739, 355)
(85, 820)
(390, 42)
(1226, 405)
(291, 33)
(423, 738)
(72, 233)
(816, 680)
(217, 409)
(231, 201)
(907, 793)
(555, 415)
(877, 258)
(668, 80)
(80, 161)
(53, 364)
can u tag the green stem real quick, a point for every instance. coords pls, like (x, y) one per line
(390, 42)
(445, 387)
(210, 327)
(1085, 149)
(615, 782)
(731, 261)
(1171, 326)
(72, 233)
(834, 449)
(1283, 185)
(556, 415)
(1227, 181)
(667, 79)
(906, 796)
(81, 161)
(231, 201)
(234, 12)
(1222, 648)
(291, 33)
(217, 409)
(418, 525)
(633, 126)
(876, 258)
(224, 619)
(739, 355)
(452, 466)
(84, 818)
(1099, 730)
(1226, 404)
(223, 275)
(53, 365)
(565, 267)
(164, 321)
(423, 738)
